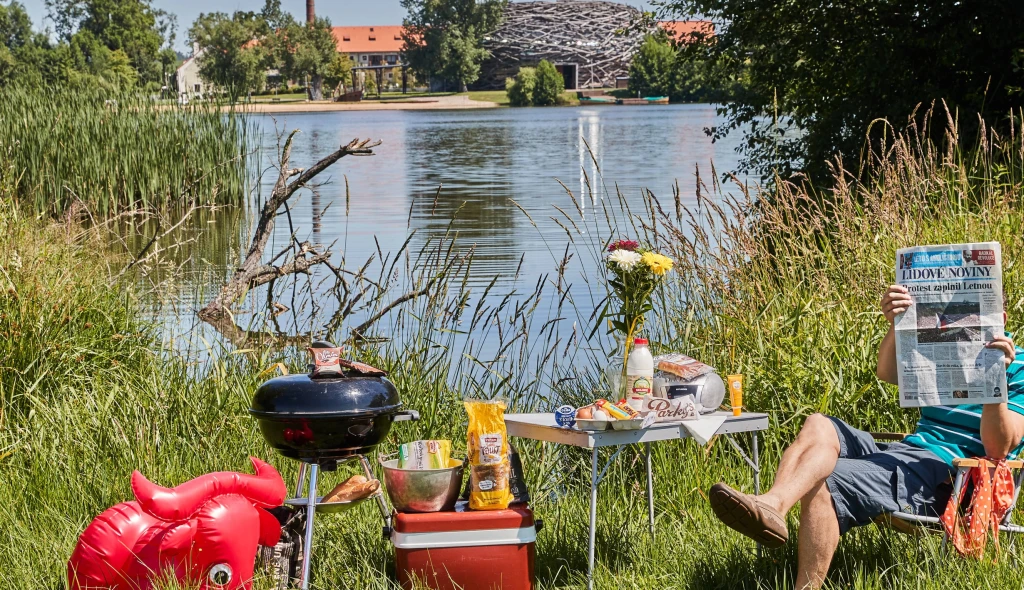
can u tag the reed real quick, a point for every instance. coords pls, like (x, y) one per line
(117, 153)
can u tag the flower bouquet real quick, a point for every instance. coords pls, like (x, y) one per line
(636, 271)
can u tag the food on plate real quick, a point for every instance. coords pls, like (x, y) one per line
(612, 410)
(585, 413)
(683, 366)
(354, 488)
(627, 408)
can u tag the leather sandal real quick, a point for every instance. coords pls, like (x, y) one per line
(746, 515)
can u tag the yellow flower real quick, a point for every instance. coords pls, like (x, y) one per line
(658, 263)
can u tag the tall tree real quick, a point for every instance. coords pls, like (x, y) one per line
(821, 71)
(133, 27)
(233, 55)
(27, 57)
(443, 38)
(308, 50)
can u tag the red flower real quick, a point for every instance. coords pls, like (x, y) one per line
(630, 245)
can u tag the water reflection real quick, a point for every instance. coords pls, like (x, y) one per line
(436, 166)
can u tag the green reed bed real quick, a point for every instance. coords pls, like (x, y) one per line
(785, 290)
(113, 153)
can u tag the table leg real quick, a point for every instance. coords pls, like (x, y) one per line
(650, 489)
(310, 511)
(593, 520)
(757, 475)
(301, 478)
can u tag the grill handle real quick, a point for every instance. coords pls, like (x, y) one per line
(406, 416)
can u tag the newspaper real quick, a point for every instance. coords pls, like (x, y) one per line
(957, 293)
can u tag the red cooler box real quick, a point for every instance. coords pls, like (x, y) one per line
(466, 550)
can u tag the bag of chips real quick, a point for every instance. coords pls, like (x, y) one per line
(425, 454)
(487, 445)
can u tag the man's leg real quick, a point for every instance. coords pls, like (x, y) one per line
(819, 537)
(805, 465)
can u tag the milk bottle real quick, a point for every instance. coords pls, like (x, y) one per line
(639, 374)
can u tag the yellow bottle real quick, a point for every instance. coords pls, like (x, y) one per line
(736, 393)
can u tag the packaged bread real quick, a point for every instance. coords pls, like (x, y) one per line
(682, 366)
(487, 446)
(354, 488)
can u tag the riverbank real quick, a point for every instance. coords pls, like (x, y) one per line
(421, 103)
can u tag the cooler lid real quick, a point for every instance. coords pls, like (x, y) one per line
(464, 519)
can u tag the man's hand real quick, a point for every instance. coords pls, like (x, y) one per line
(1005, 345)
(895, 301)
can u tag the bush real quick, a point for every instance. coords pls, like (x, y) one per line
(550, 84)
(521, 88)
(651, 72)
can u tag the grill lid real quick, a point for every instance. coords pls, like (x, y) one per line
(334, 387)
(303, 394)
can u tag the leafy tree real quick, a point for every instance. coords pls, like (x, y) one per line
(26, 57)
(132, 26)
(819, 72)
(232, 56)
(652, 71)
(550, 85)
(309, 50)
(520, 89)
(338, 71)
(443, 38)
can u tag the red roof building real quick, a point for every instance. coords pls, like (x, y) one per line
(371, 46)
(688, 30)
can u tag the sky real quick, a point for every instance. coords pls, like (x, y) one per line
(341, 12)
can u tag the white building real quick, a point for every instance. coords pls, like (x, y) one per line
(190, 85)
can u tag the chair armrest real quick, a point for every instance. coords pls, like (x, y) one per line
(976, 462)
(897, 436)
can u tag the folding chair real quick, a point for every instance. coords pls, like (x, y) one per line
(913, 524)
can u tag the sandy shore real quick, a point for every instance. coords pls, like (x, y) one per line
(458, 101)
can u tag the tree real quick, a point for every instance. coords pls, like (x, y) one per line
(27, 57)
(819, 72)
(550, 85)
(132, 26)
(338, 71)
(652, 71)
(309, 50)
(520, 89)
(232, 56)
(443, 38)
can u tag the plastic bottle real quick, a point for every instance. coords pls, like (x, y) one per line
(639, 373)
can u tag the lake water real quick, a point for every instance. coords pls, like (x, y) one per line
(473, 166)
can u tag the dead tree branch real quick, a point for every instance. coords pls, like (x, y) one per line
(253, 272)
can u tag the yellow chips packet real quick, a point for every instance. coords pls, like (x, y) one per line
(487, 445)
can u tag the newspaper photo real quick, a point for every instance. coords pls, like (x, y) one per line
(941, 357)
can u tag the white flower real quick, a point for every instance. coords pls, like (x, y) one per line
(624, 259)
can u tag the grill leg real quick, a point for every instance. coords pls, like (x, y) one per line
(301, 478)
(382, 504)
(310, 510)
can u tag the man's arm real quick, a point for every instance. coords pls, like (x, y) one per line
(1001, 428)
(895, 301)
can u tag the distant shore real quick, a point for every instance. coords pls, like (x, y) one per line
(421, 103)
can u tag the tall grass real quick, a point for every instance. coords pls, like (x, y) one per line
(782, 289)
(120, 152)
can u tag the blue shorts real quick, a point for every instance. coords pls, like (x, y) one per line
(869, 481)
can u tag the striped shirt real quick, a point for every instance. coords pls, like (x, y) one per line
(955, 431)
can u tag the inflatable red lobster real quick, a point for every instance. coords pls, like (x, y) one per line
(204, 531)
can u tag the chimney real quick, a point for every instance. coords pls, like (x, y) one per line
(310, 13)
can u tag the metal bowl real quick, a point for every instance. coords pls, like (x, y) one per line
(423, 490)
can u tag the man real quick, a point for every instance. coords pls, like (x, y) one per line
(842, 480)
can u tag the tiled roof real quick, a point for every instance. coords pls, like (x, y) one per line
(681, 29)
(375, 39)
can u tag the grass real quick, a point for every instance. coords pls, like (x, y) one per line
(783, 289)
(113, 154)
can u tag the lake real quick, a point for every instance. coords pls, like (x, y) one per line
(491, 177)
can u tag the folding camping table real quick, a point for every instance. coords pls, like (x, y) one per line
(543, 427)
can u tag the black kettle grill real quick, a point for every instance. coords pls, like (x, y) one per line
(324, 420)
